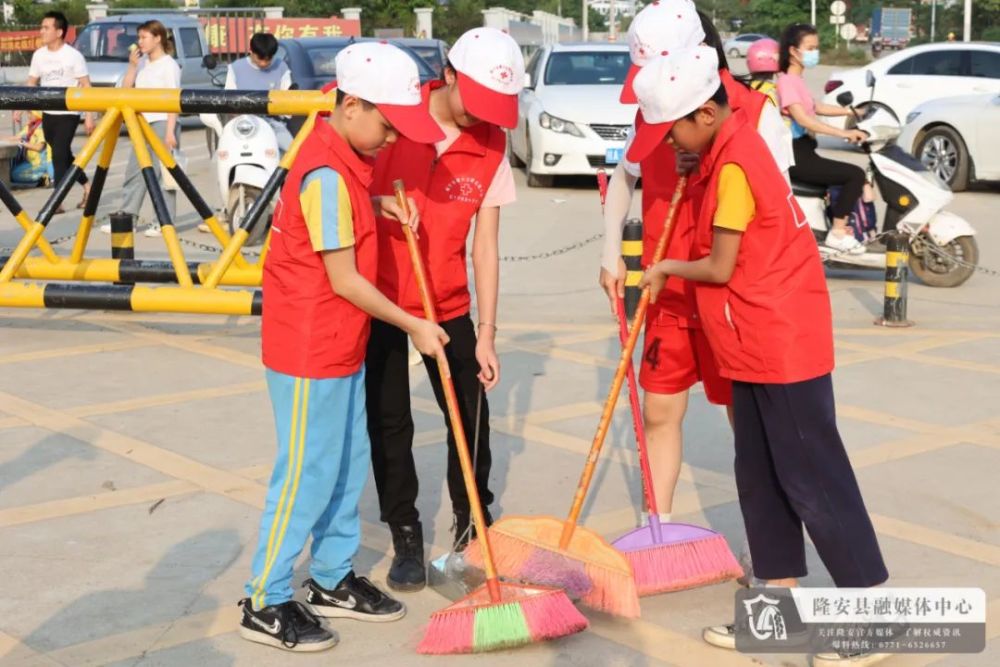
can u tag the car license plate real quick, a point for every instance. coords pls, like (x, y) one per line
(614, 155)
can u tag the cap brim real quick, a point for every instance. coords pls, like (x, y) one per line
(487, 104)
(413, 122)
(628, 92)
(647, 137)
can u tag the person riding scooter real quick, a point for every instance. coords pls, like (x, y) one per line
(800, 50)
(762, 61)
(260, 71)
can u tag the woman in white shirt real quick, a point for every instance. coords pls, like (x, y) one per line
(151, 66)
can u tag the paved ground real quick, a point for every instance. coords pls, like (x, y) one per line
(134, 451)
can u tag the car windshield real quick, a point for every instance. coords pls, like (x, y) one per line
(587, 68)
(323, 60)
(106, 41)
(431, 55)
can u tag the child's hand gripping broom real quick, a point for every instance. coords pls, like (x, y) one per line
(556, 552)
(496, 615)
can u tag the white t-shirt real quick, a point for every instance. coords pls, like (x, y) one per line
(772, 130)
(160, 73)
(62, 68)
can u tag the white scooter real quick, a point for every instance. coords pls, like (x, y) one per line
(246, 155)
(915, 199)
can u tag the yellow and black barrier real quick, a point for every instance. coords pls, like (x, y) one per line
(198, 285)
(897, 258)
(632, 254)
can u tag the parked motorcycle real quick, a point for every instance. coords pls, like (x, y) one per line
(942, 246)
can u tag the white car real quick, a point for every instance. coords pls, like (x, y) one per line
(738, 46)
(912, 76)
(957, 138)
(570, 121)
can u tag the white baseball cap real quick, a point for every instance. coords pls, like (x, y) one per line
(490, 71)
(669, 88)
(661, 27)
(386, 76)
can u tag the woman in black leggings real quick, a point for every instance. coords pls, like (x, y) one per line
(799, 50)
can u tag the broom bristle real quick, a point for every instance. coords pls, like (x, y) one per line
(526, 615)
(597, 587)
(660, 568)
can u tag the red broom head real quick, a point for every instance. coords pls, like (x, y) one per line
(524, 615)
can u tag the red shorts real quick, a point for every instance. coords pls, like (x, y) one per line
(675, 357)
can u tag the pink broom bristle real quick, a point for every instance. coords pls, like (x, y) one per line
(660, 568)
(450, 631)
(612, 592)
(552, 615)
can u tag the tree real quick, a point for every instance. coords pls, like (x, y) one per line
(26, 12)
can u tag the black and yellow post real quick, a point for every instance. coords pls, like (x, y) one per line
(122, 237)
(897, 258)
(632, 254)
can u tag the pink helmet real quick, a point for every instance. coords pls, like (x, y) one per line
(762, 56)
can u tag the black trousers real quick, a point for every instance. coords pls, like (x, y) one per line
(792, 469)
(390, 422)
(810, 168)
(59, 130)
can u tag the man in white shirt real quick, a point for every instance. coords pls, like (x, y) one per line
(58, 65)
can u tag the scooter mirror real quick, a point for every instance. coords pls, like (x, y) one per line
(869, 78)
(845, 99)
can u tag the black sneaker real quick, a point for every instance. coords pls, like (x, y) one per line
(407, 571)
(465, 529)
(288, 626)
(354, 597)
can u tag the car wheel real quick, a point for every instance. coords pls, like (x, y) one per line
(515, 161)
(735, 53)
(942, 150)
(534, 180)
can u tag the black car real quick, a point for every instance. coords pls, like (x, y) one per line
(313, 59)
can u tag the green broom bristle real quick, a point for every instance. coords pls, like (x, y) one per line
(500, 626)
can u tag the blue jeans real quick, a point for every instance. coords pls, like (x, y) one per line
(319, 474)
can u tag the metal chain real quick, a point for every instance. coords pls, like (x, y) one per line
(211, 248)
(553, 253)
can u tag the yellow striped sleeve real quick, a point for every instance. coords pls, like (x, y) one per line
(326, 207)
(736, 207)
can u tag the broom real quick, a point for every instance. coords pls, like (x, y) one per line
(495, 615)
(548, 550)
(672, 556)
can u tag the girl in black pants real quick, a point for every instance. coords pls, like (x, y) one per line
(800, 50)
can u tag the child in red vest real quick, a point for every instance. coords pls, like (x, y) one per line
(462, 177)
(765, 309)
(676, 354)
(318, 301)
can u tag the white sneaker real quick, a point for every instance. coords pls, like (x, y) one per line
(722, 636)
(844, 243)
(106, 228)
(204, 229)
(152, 231)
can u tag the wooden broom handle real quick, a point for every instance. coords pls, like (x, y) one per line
(461, 443)
(616, 385)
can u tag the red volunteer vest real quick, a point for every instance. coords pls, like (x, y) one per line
(771, 323)
(448, 191)
(659, 180)
(307, 330)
